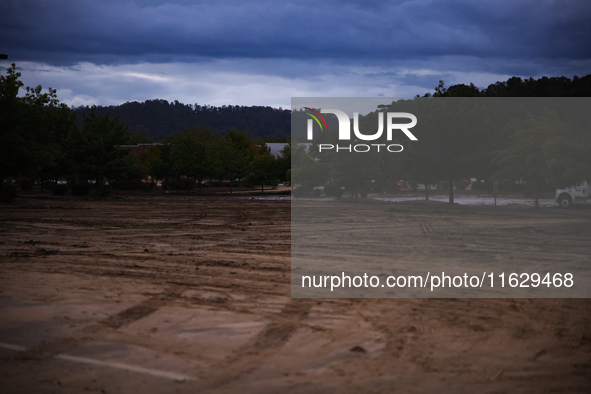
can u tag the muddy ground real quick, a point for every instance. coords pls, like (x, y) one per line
(176, 293)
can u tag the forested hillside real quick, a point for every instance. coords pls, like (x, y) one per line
(159, 119)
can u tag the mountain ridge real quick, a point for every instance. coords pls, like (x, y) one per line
(159, 119)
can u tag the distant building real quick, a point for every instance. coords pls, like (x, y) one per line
(276, 147)
(138, 148)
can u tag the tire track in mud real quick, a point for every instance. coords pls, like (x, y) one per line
(564, 332)
(277, 334)
(202, 215)
(449, 228)
(409, 338)
(218, 216)
(253, 281)
(456, 339)
(46, 350)
(564, 327)
(242, 216)
(466, 229)
(129, 315)
(268, 341)
(427, 229)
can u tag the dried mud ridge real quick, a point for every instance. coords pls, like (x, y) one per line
(188, 294)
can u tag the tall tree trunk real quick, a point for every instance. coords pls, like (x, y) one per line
(451, 191)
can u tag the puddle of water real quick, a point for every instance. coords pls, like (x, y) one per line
(272, 198)
(462, 200)
(472, 200)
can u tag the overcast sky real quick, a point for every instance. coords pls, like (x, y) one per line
(264, 52)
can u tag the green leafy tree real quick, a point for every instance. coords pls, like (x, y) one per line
(162, 167)
(524, 157)
(32, 128)
(189, 153)
(457, 137)
(567, 148)
(150, 161)
(222, 158)
(93, 150)
(58, 122)
(447, 146)
(242, 150)
(568, 160)
(307, 169)
(263, 166)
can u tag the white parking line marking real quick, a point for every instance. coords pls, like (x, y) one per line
(13, 347)
(133, 368)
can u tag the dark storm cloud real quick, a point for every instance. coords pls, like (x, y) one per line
(263, 52)
(112, 32)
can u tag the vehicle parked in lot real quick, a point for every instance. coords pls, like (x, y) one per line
(573, 195)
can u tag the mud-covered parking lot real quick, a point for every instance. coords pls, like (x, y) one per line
(171, 293)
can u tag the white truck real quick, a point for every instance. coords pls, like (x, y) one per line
(573, 195)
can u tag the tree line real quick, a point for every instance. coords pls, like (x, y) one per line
(533, 144)
(198, 154)
(42, 139)
(540, 147)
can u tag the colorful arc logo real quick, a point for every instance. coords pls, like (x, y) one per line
(316, 118)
